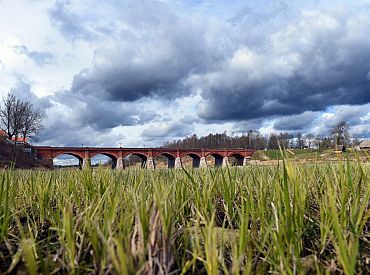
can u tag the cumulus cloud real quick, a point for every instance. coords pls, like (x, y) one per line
(73, 120)
(356, 116)
(316, 59)
(319, 60)
(69, 125)
(151, 57)
(162, 69)
(296, 122)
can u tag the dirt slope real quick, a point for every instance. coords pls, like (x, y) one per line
(13, 155)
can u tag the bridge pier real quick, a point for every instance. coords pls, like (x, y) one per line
(178, 163)
(86, 163)
(203, 162)
(225, 162)
(48, 162)
(246, 161)
(120, 165)
(150, 164)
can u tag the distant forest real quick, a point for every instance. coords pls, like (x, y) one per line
(255, 140)
(252, 139)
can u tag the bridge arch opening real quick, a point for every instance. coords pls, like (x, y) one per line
(214, 159)
(191, 160)
(236, 159)
(135, 160)
(164, 160)
(67, 160)
(103, 159)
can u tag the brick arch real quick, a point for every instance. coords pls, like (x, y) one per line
(74, 154)
(218, 156)
(236, 154)
(107, 154)
(166, 154)
(238, 158)
(171, 158)
(214, 154)
(191, 154)
(141, 155)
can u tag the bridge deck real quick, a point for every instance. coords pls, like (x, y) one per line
(174, 156)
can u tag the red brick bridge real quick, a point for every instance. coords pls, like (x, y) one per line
(147, 155)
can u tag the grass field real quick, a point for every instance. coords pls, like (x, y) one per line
(314, 154)
(291, 219)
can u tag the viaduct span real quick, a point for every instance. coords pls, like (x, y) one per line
(147, 155)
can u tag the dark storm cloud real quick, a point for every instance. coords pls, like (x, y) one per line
(296, 122)
(317, 62)
(40, 58)
(152, 56)
(130, 82)
(165, 131)
(101, 115)
(60, 132)
(241, 127)
(155, 69)
(290, 67)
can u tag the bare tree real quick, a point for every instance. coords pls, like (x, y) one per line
(300, 141)
(19, 118)
(340, 133)
(273, 142)
(310, 138)
(31, 121)
(284, 139)
(10, 114)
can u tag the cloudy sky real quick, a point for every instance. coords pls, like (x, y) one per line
(140, 72)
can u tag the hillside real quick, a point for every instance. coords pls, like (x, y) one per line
(13, 155)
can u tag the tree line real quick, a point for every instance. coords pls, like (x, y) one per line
(339, 134)
(19, 119)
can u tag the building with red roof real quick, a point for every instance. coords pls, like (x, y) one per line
(20, 139)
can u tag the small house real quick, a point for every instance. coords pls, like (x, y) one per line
(365, 145)
(340, 148)
(20, 140)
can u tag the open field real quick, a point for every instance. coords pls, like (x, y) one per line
(312, 154)
(283, 219)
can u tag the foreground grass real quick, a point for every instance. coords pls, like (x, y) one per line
(289, 219)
